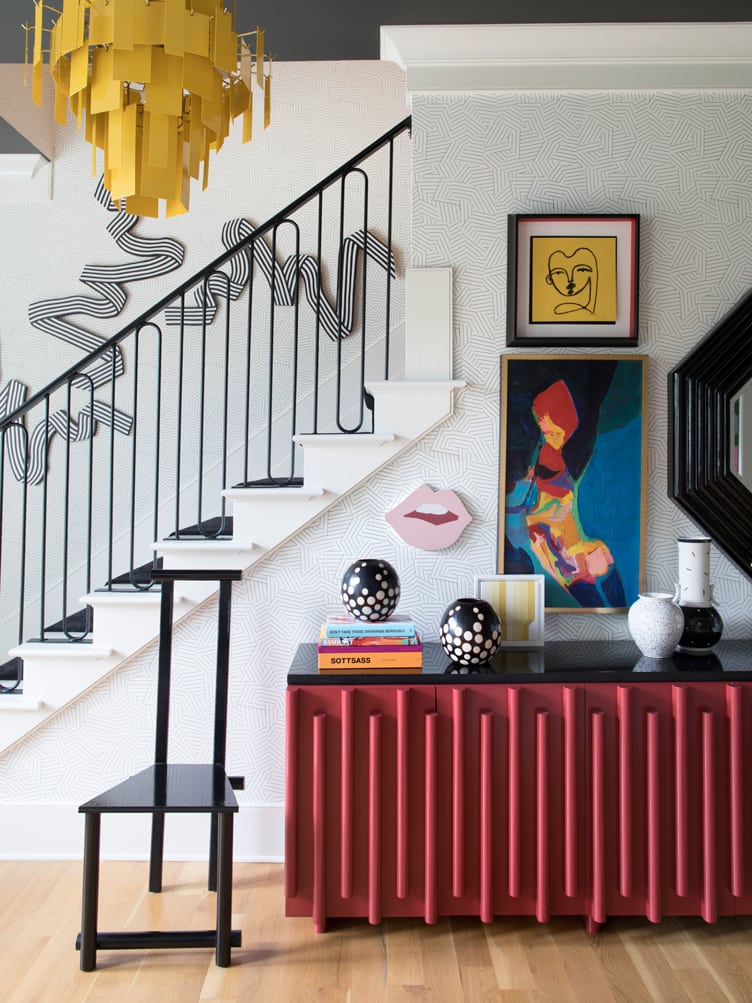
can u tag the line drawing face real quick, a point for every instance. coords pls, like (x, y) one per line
(575, 278)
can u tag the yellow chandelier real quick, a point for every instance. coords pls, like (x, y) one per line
(157, 82)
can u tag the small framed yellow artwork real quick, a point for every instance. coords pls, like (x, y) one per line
(519, 604)
(572, 280)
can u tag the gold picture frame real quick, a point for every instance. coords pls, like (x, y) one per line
(573, 477)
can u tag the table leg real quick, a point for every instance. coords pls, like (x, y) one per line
(213, 831)
(224, 888)
(90, 899)
(156, 855)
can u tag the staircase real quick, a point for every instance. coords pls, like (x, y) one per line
(343, 420)
(55, 673)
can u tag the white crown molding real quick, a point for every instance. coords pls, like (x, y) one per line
(521, 57)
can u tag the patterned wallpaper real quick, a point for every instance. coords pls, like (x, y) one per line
(683, 161)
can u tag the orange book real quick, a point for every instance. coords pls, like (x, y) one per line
(374, 660)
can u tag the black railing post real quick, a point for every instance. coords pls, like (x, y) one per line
(179, 414)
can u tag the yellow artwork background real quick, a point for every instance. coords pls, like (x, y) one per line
(544, 297)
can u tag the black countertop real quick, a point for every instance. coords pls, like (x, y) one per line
(557, 661)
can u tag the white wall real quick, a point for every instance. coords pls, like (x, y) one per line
(322, 115)
(682, 162)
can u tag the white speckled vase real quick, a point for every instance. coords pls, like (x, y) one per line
(656, 623)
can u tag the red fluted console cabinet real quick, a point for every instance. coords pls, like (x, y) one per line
(598, 790)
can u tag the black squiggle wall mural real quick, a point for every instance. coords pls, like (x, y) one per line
(336, 321)
(27, 452)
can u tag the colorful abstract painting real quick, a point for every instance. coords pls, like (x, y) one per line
(572, 490)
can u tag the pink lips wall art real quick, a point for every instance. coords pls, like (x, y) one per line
(428, 519)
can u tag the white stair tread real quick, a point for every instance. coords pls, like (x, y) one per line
(119, 599)
(205, 546)
(296, 494)
(10, 704)
(332, 438)
(73, 650)
(415, 386)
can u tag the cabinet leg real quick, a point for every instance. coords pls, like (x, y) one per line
(592, 926)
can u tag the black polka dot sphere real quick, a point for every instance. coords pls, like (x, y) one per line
(470, 631)
(370, 589)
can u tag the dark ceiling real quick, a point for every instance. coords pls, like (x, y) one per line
(300, 30)
(349, 29)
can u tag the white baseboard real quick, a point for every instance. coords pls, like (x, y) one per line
(56, 832)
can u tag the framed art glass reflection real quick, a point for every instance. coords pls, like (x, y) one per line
(573, 477)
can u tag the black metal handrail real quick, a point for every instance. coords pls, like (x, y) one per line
(210, 401)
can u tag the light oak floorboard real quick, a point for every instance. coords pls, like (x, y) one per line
(460, 960)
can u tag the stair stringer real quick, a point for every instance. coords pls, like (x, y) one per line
(56, 674)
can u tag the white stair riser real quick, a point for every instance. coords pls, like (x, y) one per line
(341, 472)
(405, 411)
(202, 557)
(267, 522)
(128, 627)
(56, 681)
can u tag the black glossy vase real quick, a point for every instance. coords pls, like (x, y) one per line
(703, 627)
(470, 631)
(370, 589)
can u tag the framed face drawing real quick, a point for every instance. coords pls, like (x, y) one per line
(573, 477)
(572, 280)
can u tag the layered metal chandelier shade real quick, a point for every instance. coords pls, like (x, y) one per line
(156, 83)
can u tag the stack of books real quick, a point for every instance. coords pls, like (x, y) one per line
(360, 646)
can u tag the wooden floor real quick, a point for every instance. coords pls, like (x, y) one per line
(283, 961)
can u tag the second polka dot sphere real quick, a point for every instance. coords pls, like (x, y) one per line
(470, 631)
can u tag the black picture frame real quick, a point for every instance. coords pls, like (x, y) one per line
(540, 312)
(702, 389)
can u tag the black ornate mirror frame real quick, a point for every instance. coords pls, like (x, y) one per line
(701, 389)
